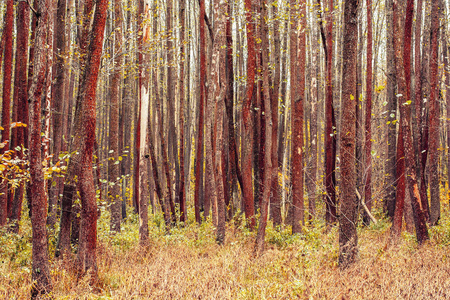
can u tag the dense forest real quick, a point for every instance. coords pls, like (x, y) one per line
(240, 149)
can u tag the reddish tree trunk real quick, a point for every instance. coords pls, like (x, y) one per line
(181, 192)
(247, 142)
(40, 270)
(6, 104)
(259, 247)
(330, 138)
(368, 120)
(402, 64)
(20, 92)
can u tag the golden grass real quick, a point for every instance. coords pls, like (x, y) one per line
(188, 264)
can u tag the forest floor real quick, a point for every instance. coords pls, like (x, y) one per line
(188, 264)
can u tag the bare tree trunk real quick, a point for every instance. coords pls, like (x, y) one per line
(330, 136)
(6, 104)
(87, 261)
(20, 92)
(40, 270)
(435, 204)
(298, 62)
(368, 119)
(348, 239)
(275, 203)
(199, 150)
(402, 64)
(182, 187)
(259, 247)
(113, 160)
(247, 142)
(390, 166)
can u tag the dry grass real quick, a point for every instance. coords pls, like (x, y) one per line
(187, 264)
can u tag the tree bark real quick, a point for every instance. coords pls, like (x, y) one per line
(247, 142)
(6, 104)
(113, 160)
(40, 268)
(348, 239)
(298, 62)
(199, 150)
(368, 119)
(433, 123)
(402, 65)
(259, 247)
(20, 92)
(86, 259)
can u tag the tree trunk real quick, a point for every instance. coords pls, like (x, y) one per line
(40, 269)
(330, 136)
(86, 259)
(20, 92)
(298, 62)
(113, 160)
(391, 160)
(6, 104)
(199, 150)
(402, 65)
(348, 239)
(435, 204)
(247, 142)
(368, 120)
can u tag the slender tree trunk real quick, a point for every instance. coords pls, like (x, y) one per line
(6, 104)
(182, 187)
(247, 151)
(390, 165)
(113, 160)
(348, 239)
(435, 204)
(86, 259)
(330, 136)
(368, 119)
(259, 247)
(199, 150)
(402, 65)
(275, 203)
(298, 62)
(40, 269)
(20, 91)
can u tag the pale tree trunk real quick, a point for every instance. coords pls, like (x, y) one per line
(348, 238)
(143, 124)
(40, 269)
(298, 62)
(113, 160)
(259, 247)
(433, 125)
